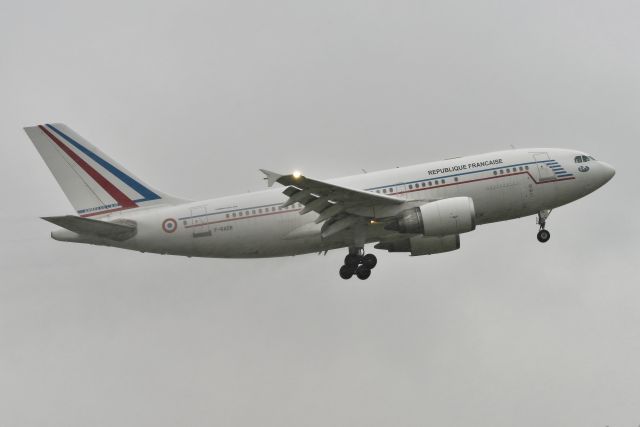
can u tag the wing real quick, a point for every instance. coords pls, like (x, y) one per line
(339, 206)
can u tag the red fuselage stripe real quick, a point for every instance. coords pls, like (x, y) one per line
(102, 212)
(242, 217)
(401, 192)
(111, 189)
(485, 179)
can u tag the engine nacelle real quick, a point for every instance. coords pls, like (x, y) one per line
(420, 245)
(440, 218)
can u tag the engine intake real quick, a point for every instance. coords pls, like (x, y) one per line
(440, 218)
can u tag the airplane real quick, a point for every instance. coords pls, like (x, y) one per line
(419, 210)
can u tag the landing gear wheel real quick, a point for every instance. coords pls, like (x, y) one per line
(356, 262)
(369, 261)
(543, 236)
(363, 272)
(347, 272)
(352, 260)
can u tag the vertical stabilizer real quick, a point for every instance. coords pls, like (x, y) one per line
(94, 183)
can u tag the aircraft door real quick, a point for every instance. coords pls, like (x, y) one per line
(199, 222)
(542, 171)
(399, 191)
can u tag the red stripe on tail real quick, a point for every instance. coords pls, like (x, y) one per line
(111, 189)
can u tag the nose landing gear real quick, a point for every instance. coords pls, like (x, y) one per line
(359, 264)
(543, 234)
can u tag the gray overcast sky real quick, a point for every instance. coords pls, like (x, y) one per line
(194, 97)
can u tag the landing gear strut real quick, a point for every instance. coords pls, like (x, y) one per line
(356, 262)
(543, 234)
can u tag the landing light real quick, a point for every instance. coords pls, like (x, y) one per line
(297, 174)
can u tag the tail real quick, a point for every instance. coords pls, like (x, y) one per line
(93, 182)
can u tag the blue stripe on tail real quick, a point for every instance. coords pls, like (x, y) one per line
(139, 188)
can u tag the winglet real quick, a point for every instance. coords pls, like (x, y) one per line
(271, 177)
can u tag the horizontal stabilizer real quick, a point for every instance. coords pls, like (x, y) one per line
(118, 230)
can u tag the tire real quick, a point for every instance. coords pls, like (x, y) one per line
(352, 260)
(369, 261)
(543, 236)
(346, 272)
(363, 272)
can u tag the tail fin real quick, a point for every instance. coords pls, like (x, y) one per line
(93, 182)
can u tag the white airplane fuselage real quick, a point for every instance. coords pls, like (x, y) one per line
(503, 185)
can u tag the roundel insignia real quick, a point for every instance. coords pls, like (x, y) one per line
(169, 225)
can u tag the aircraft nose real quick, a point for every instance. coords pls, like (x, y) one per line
(608, 171)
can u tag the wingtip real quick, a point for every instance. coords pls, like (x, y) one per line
(271, 177)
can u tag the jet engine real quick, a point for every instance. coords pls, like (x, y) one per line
(440, 218)
(421, 245)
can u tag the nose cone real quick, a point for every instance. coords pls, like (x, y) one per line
(607, 172)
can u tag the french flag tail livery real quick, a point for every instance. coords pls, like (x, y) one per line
(94, 183)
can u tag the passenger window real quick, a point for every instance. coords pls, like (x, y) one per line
(384, 190)
(410, 187)
(495, 172)
(578, 159)
(424, 185)
(526, 167)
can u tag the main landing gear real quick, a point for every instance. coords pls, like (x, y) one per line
(543, 234)
(359, 264)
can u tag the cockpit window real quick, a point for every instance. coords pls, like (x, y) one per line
(591, 157)
(583, 159)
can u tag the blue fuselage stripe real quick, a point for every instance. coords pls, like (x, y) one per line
(457, 174)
